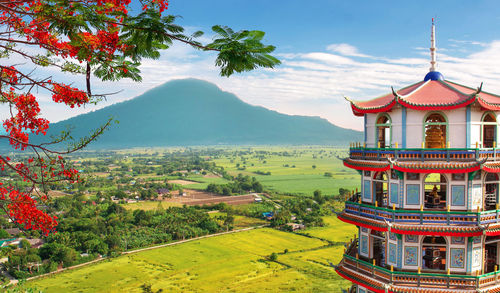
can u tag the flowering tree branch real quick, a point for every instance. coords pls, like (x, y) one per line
(84, 37)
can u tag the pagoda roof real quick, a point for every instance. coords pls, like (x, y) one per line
(428, 95)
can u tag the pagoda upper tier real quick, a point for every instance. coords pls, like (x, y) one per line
(429, 95)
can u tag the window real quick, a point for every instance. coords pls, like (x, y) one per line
(380, 188)
(434, 253)
(383, 127)
(435, 190)
(435, 131)
(490, 191)
(489, 129)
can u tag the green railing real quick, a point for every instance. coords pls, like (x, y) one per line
(402, 278)
(422, 216)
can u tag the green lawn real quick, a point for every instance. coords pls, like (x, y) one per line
(228, 263)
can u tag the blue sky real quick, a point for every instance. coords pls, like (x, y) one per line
(379, 27)
(329, 49)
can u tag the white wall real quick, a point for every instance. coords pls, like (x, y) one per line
(457, 127)
(370, 130)
(456, 123)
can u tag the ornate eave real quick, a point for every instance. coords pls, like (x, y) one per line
(365, 165)
(421, 167)
(381, 286)
(430, 95)
(436, 167)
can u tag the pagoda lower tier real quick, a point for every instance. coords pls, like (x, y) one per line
(428, 221)
(375, 278)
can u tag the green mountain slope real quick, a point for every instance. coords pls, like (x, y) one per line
(192, 112)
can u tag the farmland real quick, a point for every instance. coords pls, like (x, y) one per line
(228, 263)
(153, 197)
(294, 170)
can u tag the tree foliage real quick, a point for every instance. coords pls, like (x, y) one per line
(81, 38)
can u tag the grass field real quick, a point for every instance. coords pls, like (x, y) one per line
(228, 263)
(242, 221)
(150, 205)
(299, 170)
(203, 181)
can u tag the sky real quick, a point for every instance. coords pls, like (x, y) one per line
(328, 49)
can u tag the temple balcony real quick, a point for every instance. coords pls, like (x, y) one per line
(358, 152)
(367, 273)
(444, 223)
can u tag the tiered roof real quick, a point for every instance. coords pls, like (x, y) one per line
(429, 95)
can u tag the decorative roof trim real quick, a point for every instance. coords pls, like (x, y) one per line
(434, 170)
(491, 167)
(384, 108)
(366, 165)
(440, 167)
(344, 274)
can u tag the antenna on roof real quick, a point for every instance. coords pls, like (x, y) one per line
(433, 48)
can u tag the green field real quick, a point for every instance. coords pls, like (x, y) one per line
(150, 205)
(292, 168)
(228, 263)
(242, 221)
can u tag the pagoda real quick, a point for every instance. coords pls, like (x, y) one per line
(428, 214)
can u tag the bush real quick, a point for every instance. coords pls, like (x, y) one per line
(273, 256)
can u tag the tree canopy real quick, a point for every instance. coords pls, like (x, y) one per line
(102, 38)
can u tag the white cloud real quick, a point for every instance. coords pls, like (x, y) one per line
(346, 50)
(467, 42)
(309, 83)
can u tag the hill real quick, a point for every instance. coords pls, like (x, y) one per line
(192, 112)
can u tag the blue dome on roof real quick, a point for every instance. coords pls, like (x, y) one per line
(433, 75)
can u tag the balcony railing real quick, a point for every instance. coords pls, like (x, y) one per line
(422, 154)
(422, 217)
(423, 279)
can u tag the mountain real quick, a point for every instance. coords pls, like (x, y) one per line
(192, 112)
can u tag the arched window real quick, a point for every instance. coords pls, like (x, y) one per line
(434, 253)
(435, 131)
(489, 129)
(384, 130)
(490, 191)
(435, 190)
(380, 188)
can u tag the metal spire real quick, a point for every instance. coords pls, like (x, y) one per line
(433, 48)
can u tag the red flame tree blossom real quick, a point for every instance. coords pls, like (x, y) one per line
(99, 37)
